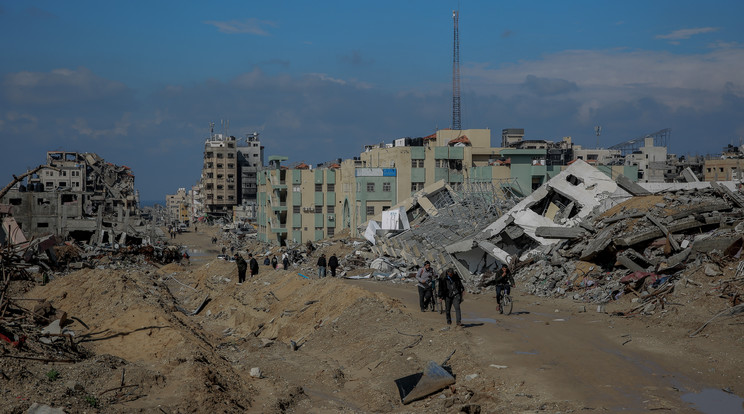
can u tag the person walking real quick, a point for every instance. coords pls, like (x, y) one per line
(424, 278)
(333, 264)
(242, 267)
(274, 262)
(285, 261)
(253, 264)
(451, 290)
(322, 265)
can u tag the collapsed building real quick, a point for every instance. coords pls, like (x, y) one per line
(580, 229)
(79, 196)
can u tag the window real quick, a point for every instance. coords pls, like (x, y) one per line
(370, 187)
(370, 210)
(330, 209)
(417, 186)
(441, 163)
(230, 165)
(331, 231)
(319, 187)
(230, 155)
(721, 169)
(219, 155)
(417, 163)
(385, 208)
(330, 187)
(386, 187)
(296, 188)
(319, 209)
(219, 165)
(359, 187)
(49, 184)
(42, 225)
(296, 209)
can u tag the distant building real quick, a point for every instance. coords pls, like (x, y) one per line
(650, 161)
(177, 207)
(220, 175)
(511, 136)
(229, 173)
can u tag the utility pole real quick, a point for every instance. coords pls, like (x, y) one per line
(597, 131)
(456, 121)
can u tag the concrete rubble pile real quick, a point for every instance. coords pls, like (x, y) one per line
(581, 234)
(82, 197)
(436, 217)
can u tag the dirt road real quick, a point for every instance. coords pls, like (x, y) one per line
(559, 355)
(592, 360)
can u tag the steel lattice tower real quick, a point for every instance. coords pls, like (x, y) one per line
(456, 121)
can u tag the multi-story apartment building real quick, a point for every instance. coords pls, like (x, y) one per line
(220, 175)
(250, 161)
(229, 174)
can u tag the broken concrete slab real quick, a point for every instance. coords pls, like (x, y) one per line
(664, 230)
(559, 232)
(631, 187)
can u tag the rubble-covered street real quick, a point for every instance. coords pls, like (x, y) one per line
(627, 299)
(185, 338)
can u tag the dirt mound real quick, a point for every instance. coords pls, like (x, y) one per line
(129, 318)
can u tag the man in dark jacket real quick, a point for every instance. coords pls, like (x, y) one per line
(322, 265)
(451, 290)
(274, 262)
(333, 264)
(253, 264)
(242, 266)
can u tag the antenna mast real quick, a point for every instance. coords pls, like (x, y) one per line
(456, 122)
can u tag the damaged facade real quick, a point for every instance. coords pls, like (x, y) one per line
(79, 196)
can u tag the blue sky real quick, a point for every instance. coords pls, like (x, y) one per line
(138, 81)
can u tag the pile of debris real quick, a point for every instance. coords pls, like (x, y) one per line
(582, 234)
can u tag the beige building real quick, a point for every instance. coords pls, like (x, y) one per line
(220, 175)
(722, 169)
(646, 157)
(177, 207)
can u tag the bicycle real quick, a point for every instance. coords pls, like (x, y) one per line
(506, 303)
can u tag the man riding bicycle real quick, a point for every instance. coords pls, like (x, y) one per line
(504, 283)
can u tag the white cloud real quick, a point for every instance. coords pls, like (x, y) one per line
(60, 86)
(119, 128)
(250, 26)
(605, 76)
(687, 33)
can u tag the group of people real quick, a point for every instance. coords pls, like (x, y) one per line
(243, 266)
(448, 287)
(252, 264)
(331, 263)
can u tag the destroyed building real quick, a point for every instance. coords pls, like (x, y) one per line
(561, 225)
(78, 196)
